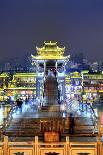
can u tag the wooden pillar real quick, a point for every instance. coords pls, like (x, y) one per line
(67, 148)
(5, 146)
(98, 146)
(36, 146)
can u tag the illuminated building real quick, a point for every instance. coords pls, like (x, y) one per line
(4, 77)
(92, 85)
(73, 82)
(22, 85)
(50, 58)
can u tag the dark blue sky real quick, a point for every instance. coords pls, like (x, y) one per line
(75, 24)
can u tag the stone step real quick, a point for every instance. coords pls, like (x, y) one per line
(83, 127)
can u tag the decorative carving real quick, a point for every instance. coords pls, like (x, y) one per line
(19, 153)
(83, 153)
(52, 153)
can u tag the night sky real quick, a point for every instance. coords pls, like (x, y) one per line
(75, 24)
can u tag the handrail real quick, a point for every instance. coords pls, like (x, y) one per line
(9, 117)
(93, 116)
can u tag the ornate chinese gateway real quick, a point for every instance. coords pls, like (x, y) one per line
(50, 73)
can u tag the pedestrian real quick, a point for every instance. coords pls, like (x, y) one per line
(19, 104)
(71, 124)
(26, 100)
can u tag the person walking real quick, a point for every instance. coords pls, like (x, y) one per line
(71, 124)
(26, 101)
(19, 104)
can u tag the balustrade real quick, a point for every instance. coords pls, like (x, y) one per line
(37, 147)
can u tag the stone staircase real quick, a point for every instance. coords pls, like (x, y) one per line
(23, 127)
(30, 127)
(83, 125)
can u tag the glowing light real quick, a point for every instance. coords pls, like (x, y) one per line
(1, 116)
(62, 107)
(102, 119)
(64, 114)
(96, 112)
(88, 114)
